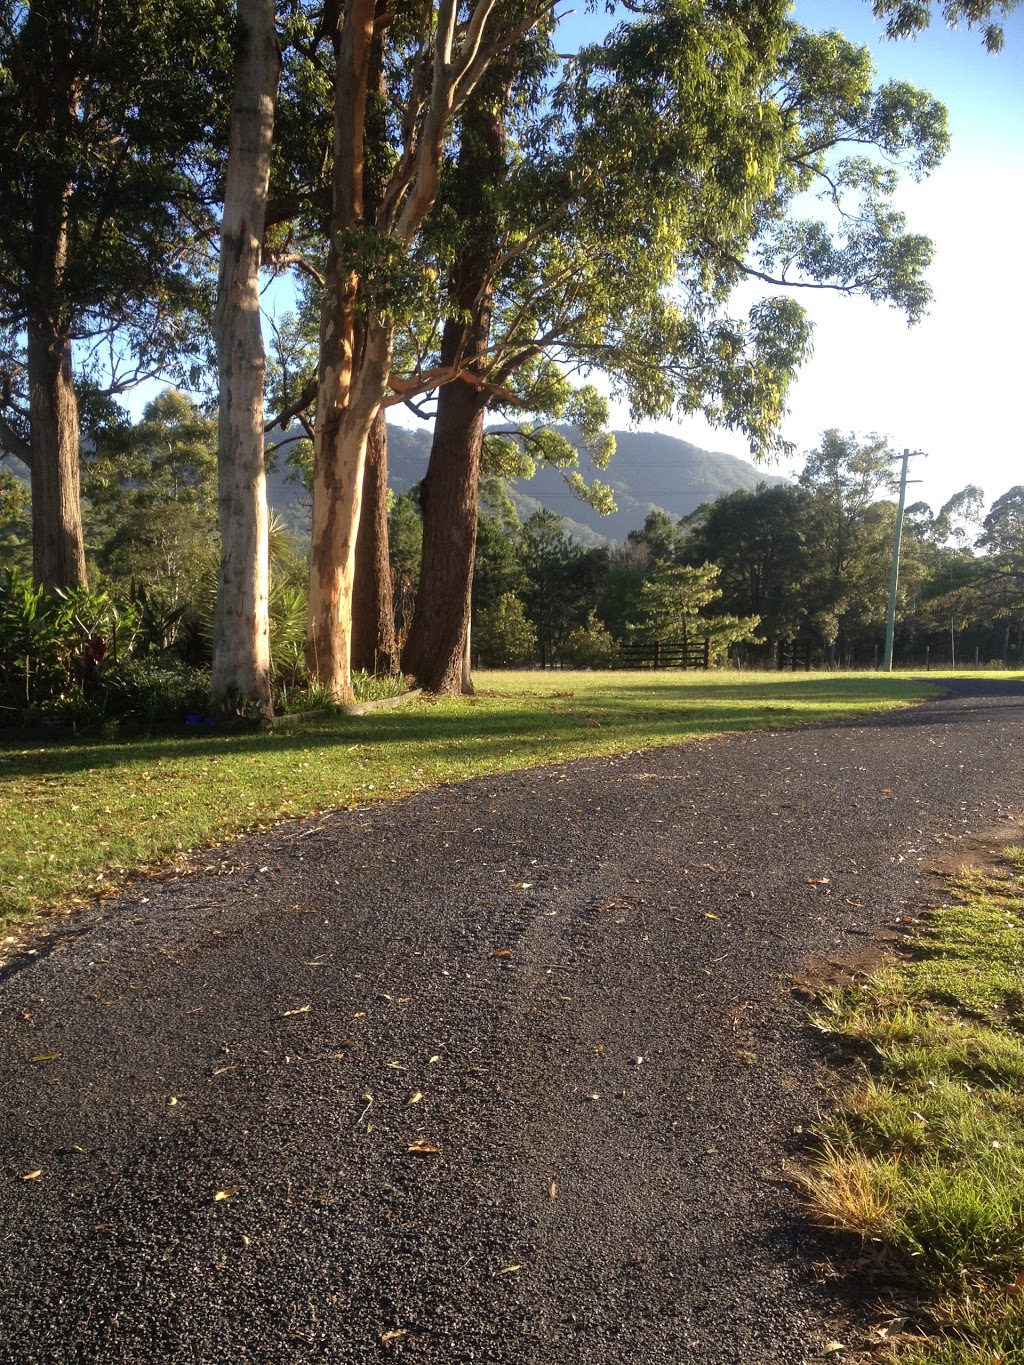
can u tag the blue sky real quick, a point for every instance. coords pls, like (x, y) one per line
(949, 386)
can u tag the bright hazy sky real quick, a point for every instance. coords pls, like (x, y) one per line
(951, 385)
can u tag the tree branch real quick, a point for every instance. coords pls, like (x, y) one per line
(280, 260)
(14, 443)
(306, 396)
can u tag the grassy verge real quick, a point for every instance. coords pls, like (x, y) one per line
(78, 816)
(924, 1159)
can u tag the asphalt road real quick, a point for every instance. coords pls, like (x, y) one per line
(509, 1071)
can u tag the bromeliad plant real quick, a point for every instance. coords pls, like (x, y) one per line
(55, 648)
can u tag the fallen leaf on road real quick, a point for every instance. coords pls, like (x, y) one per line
(302, 1009)
(709, 915)
(510, 1269)
(432, 1060)
(893, 1327)
(423, 1149)
(396, 1066)
(832, 1348)
(553, 1190)
(226, 1194)
(415, 1099)
(33, 1175)
(46, 1057)
(501, 952)
(818, 881)
(394, 1335)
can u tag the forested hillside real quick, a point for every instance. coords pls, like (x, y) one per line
(649, 472)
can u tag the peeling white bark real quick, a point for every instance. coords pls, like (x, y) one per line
(241, 644)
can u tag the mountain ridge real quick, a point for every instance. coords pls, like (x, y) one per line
(649, 471)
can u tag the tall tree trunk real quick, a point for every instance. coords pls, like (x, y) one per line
(58, 548)
(355, 339)
(241, 637)
(468, 690)
(339, 458)
(350, 345)
(373, 613)
(435, 649)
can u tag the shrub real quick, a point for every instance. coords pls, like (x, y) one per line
(590, 646)
(503, 636)
(159, 688)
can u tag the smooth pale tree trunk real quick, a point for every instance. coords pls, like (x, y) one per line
(355, 356)
(58, 548)
(373, 612)
(339, 458)
(241, 644)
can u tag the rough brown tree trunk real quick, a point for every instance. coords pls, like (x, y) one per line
(468, 690)
(241, 636)
(58, 548)
(373, 613)
(435, 649)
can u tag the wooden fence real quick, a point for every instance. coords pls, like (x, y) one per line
(660, 654)
(795, 654)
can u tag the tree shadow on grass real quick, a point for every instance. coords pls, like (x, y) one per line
(542, 728)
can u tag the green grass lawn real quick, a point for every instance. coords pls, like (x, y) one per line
(77, 816)
(923, 1160)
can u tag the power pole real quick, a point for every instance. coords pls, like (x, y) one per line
(890, 615)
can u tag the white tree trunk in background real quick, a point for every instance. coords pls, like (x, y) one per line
(241, 637)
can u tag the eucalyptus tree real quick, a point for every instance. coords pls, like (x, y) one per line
(1002, 545)
(435, 56)
(151, 497)
(759, 540)
(105, 152)
(241, 634)
(845, 476)
(661, 170)
(469, 225)
(905, 18)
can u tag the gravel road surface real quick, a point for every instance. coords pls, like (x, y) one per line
(509, 1071)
